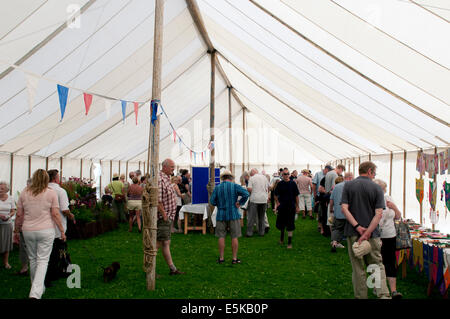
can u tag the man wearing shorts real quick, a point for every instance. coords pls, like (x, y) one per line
(304, 184)
(225, 197)
(167, 208)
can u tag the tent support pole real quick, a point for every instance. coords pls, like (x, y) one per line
(29, 166)
(435, 181)
(61, 168)
(81, 169)
(46, 163)
(230, 135)
(404, 184)
(126, 171)
(421, 203)
(212, 114)
(354, 168)
(370, 157)
(11, 175)
(119, 168)
(243, 140)
(150, 196)
(390, 173)
(100, 179)
(110, 170)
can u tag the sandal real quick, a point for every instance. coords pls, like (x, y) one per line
(220, 261)
(236, 261)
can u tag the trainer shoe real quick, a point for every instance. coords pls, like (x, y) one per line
(176, 272)
(339, 245)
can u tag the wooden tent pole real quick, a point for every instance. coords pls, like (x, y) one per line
(11, 175)
(110, 170)
(126, 171)
(230, 135)
(29, 166)
(370, 157)
(46, 163)
(150, 196)
(101, 179)
(119, 168)
(421, 203)
(435, 181)
(404, 184)
(354, 168)
(243, 140)
(61, 168)
(212, 178)
(390, 173)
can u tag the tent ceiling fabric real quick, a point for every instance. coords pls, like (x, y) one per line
(293, 69)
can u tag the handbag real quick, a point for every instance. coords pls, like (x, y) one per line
(403, 238)
(119, 198)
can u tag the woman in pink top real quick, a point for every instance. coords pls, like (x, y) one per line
(37, 214)
(134, 203)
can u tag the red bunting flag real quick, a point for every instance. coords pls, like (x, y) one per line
(190, 151)
(174, 136)
(87, 102)
(136, 109)
(202, 156)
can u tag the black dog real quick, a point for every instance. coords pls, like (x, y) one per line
(109, 273)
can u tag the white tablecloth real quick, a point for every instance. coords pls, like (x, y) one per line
(201, 209)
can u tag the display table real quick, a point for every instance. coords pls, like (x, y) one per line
(197, 209)
(430, 255)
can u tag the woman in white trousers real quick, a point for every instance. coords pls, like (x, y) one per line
(37, 215)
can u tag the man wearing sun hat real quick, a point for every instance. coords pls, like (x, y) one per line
(225, 197)
(116, 187)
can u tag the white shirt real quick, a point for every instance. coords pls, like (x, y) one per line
(260, 189)
(387, 225)
(5, 209)
(63, 205)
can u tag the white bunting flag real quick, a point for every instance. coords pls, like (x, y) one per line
(32, 84)
(108, 108)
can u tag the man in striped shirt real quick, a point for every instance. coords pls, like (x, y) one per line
(167, 208)
(225, 197)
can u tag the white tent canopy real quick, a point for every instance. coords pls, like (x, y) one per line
(321, 81)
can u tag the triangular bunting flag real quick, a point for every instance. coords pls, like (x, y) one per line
(174, 136)
(124, 110)
(87, 102)
(32, 84)
(63, 93)
(202, 156)
(108, 108)
(136, 109)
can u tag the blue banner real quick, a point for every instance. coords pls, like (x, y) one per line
(63, 92)
(154, 109)
(124, 109)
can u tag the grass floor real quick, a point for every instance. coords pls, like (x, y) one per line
(268, 270)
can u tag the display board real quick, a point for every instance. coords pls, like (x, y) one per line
(200, 180)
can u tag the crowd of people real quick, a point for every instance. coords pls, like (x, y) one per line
(347, 210)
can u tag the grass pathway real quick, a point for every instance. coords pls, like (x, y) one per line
(308, 271)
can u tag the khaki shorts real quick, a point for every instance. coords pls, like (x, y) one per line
(164, 230)
(234, 225)
(134, 204)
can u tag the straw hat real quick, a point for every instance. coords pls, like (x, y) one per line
(115, 175)
(360, 250)
(226, 173)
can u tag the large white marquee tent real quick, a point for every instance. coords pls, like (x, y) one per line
(313, 82)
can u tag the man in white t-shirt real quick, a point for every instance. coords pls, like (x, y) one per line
(258, 187)
(53, 272)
